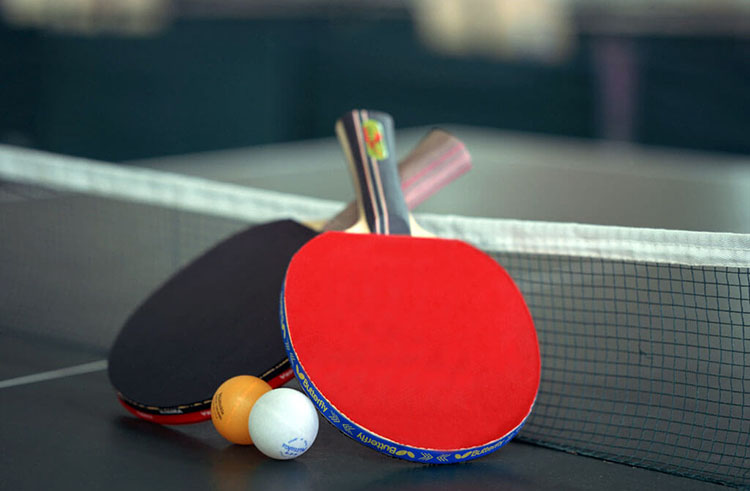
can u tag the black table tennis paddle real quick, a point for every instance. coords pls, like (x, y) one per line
(218, 316)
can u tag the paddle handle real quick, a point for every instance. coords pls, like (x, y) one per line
(438, 159)
(367, 138)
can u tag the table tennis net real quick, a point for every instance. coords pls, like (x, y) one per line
(644, 334)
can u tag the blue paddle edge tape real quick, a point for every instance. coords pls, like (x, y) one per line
(369, 439)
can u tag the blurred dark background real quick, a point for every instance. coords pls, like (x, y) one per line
(190, 76)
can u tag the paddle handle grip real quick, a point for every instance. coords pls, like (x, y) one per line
(367, 138)
(438, 159)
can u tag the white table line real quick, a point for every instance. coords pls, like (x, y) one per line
(95, 366)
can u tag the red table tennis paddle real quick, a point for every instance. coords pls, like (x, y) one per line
(218, 316)
(421, 348)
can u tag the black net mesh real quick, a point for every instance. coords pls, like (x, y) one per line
(643, 363)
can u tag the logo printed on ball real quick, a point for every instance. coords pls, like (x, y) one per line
(294, 447)
(219, 406)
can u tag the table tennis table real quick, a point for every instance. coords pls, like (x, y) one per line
(63, 428)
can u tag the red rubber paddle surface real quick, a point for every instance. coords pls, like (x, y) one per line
(425, 342)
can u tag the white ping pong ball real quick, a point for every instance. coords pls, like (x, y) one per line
(283, 423)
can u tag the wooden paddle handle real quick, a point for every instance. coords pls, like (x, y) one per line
(438, 159)
(367, 138)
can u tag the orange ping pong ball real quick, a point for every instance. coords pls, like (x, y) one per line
(231, 405)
